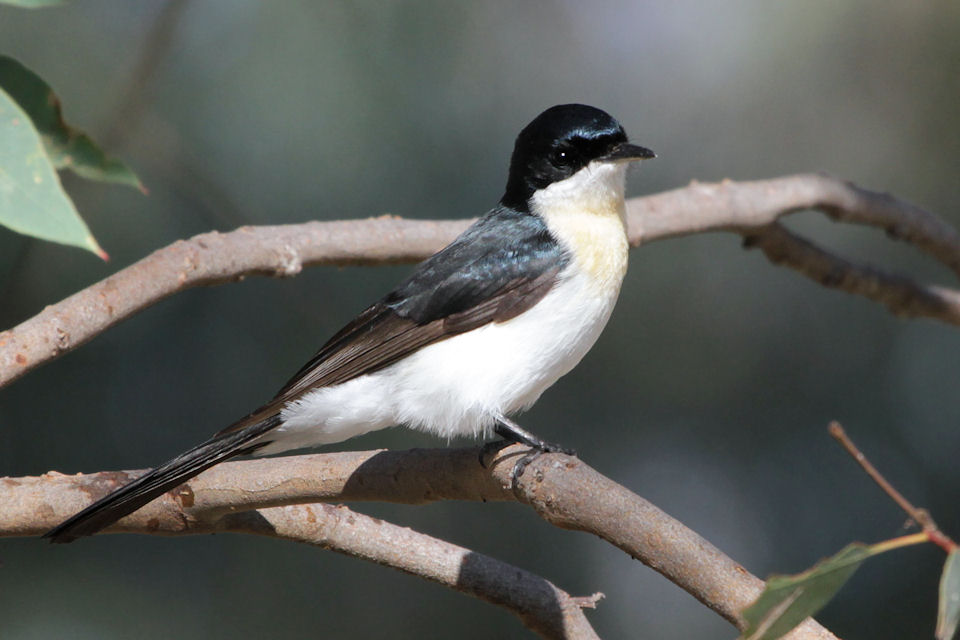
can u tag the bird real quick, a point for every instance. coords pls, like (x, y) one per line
(472, 337)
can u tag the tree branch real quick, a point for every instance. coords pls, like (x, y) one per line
(901, 295)
(541, 606)
(747, 208)
(209, 259)
(752, 210)
(743, 207)
(562, 489)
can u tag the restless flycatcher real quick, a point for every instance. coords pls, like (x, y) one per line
(473, 336)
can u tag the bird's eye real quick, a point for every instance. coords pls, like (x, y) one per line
(562, 157)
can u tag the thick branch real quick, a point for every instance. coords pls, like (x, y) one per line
(747, 208)
(562, 489)
(541, 606)
(30, 506)
(249, 497)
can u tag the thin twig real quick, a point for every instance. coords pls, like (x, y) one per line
(838, 433)
(921, 516)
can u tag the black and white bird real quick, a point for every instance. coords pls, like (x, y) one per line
(473, 336)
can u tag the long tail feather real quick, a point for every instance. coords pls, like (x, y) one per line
(139, 492)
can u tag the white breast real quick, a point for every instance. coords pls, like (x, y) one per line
(458, 386)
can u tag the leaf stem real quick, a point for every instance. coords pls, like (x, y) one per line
(902, 541)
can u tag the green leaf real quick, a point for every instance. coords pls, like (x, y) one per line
(32, 201)
(33, 4)
(789, 600)
(948, 615)
(67, 147)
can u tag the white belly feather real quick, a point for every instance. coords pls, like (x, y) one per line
(459, 385)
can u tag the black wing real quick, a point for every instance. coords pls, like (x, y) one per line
(497, 269)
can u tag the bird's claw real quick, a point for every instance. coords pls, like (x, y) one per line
(492, 448)
(533, 454)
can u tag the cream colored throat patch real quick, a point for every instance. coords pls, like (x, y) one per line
(586, 213)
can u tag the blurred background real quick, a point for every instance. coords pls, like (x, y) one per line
(709, 393)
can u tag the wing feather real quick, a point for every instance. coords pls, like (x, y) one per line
(496, 270)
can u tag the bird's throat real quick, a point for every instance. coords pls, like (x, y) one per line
(586, 214)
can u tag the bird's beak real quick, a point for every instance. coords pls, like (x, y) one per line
(628, 153)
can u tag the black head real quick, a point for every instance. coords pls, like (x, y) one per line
(558, 143)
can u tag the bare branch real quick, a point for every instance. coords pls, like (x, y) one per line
(747, 208)
(30, 506)
(249, 497)
(209, 259)
(562, 489)
(901, 295)
(744, 206)
(541, 606)
(570, 494)
(752, 209)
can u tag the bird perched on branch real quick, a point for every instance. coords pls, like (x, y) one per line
(473, 336)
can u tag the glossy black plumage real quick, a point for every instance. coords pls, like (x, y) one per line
(555, 145)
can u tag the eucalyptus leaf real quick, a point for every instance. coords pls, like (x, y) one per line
(32, 201)
(68, 148)
(948, 615)
(789, 600)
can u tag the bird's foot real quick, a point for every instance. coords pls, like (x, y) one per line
(512, 432)
(534, 453)
(490, 449)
